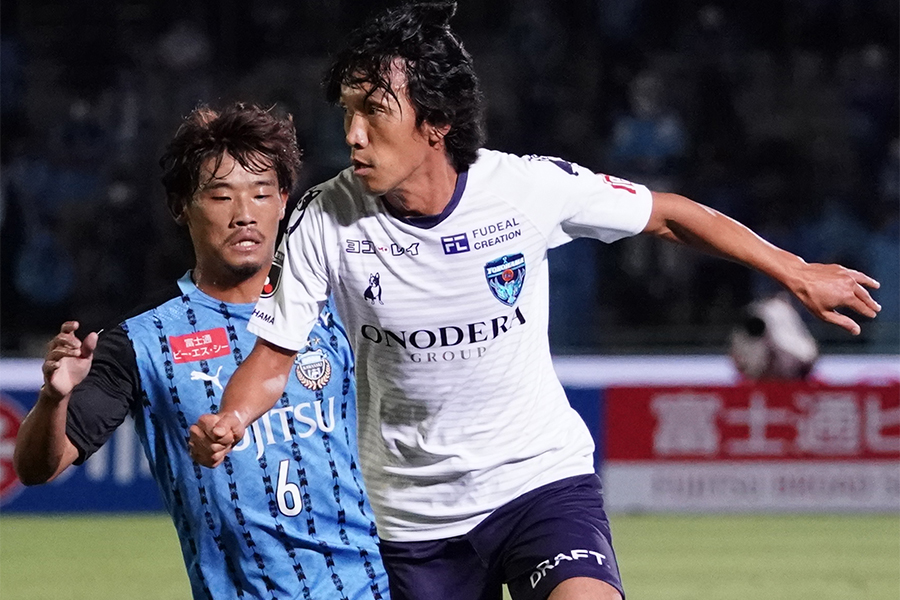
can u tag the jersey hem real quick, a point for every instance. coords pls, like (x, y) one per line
(422, 532)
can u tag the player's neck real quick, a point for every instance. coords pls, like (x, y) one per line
(229, 287)
(426, 192)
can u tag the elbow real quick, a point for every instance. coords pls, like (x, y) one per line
(30, 481)
(29, 473)
(31, 477)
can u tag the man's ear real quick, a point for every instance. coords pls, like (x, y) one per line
(436, 133)
(284, 199)
(178, 211)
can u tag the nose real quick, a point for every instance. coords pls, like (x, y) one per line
(243, 211)
(355, 128)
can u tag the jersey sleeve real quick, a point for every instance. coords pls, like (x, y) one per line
(100, 403)
(299, 279)
(575, 202)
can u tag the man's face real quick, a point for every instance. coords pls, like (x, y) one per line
(233, 220)
(386, 147)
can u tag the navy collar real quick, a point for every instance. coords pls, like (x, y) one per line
(429, 221)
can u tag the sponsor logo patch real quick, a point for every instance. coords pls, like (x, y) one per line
(540, 570)
(213, 379)
(274, 277)
(454, 244)
(505, 277)
(202, 345)
(617, 183)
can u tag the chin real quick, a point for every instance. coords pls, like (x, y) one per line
(243, 272)
(372, 187)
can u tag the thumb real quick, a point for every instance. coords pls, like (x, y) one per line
(226, 427)
(220, 431)
(89, 344)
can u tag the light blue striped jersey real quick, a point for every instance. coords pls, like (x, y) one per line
(286, 515)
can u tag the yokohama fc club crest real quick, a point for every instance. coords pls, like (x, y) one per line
(274, 277)
(313, 370)
(505, 276)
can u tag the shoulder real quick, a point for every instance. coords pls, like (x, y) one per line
(115, 345)
(337, 193)
(538, 186)
(498, 170)
(341, 199)
(496, 161)
(144, 312)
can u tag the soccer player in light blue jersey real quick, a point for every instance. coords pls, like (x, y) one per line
(288, 516)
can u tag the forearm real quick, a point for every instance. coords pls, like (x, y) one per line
(256, 385)
(823, 289)
(43, 450)
(681, 220)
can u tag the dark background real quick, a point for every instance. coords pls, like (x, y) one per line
(782, 114)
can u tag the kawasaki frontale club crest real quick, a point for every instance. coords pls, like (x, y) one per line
(505, 277)
(313, 370)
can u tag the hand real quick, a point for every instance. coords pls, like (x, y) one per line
(213, 437)
(825, 288)
(68, 361)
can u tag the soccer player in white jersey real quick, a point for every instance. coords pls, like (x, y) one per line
(435, 251)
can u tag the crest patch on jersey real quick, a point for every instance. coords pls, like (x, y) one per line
(313, 370)
(274, 277)
(202, 345)
(505, 277)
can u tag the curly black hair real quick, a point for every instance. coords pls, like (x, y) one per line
(257, 139)
(441, 80)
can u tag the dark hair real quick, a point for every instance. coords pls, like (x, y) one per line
(257, 139)
(441, 80)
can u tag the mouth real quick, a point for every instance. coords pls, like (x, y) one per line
(245, 241)
(360, 168)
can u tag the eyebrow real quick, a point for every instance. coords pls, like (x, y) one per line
(219, 184)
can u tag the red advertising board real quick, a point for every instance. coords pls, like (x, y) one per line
(802, 446)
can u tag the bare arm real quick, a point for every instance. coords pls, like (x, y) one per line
(43, 450)
(823, 289)
(253, 389)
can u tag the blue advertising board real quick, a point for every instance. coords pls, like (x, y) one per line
(116, 478)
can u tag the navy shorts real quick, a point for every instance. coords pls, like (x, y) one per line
(556, 532)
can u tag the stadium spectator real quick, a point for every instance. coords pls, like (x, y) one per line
(435, 250)
(882, 248)
(288, 516)
(649, 140)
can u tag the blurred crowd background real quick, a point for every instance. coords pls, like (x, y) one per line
(780, 113)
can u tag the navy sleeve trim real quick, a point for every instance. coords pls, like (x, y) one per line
(100, 403)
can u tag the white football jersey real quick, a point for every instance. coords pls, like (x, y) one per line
(460, 410)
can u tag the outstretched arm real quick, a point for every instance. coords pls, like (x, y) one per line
(43, 450)
(823, 289)
(253, 389)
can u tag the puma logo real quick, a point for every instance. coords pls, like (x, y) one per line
(195, 375)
